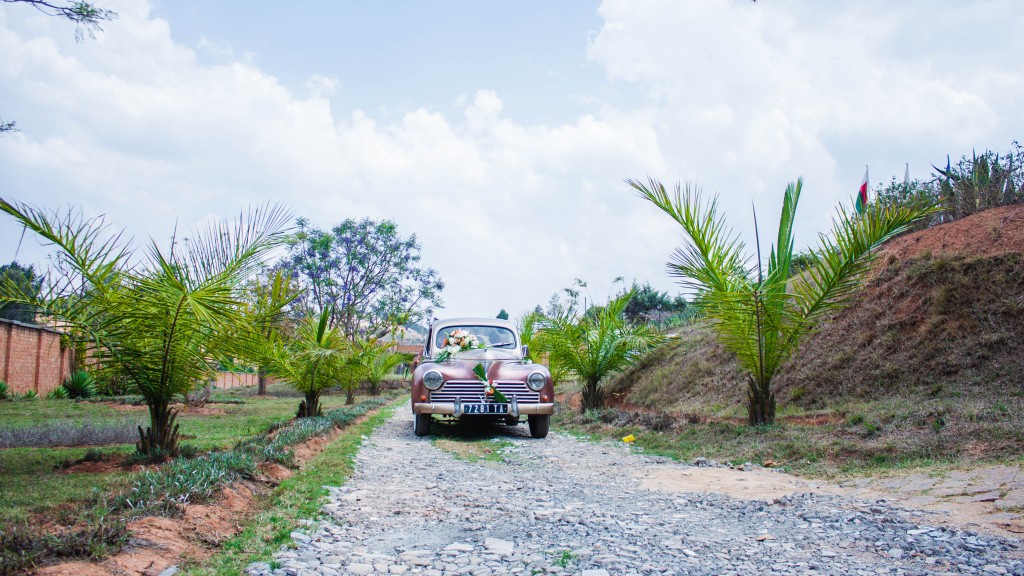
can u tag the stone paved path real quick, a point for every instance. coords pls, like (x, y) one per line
(562, 506)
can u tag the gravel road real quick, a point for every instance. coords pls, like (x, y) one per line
(565, 506)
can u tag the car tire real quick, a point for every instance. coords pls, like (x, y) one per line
(539, 424)
(421, 424)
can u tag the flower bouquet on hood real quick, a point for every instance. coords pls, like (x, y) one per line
(457, 341)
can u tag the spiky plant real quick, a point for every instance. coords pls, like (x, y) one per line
(80, 384)
(760, 312)
(312, 361)
(379, 360)
(163, 320)
(58, 393)
(596, 344)
(5, 391)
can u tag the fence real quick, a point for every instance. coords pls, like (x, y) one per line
(31, 357)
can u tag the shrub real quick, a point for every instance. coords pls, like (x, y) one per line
(5, 392)
(30, 395)
(58, 393)
(22, 549)
(80, 385)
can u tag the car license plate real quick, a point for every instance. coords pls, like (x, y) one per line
(485, 408)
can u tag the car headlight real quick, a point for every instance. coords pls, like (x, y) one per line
(536, 381)
(433, 380)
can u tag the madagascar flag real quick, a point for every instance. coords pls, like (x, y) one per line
(862, 194)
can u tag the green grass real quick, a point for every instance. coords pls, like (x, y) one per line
(297, 498)
(32, 489)
(861, 438)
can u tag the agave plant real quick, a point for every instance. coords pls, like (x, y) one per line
(594, 345)
(761, 312)
(58, 393)
(5, 391)
(163, 320)
(80, 384)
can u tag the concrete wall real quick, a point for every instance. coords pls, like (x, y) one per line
(31, 358)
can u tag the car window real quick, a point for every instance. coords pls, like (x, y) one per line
(491, 336)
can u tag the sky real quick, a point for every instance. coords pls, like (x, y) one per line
(499, 133)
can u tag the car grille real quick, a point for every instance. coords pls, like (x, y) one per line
(473, 391)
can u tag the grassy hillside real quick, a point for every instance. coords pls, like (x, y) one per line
(927, 364)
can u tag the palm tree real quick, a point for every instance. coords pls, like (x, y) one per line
(379, 360)
(596, 344)
(166, 321)
(761, 314)
(267, 298)
(313, 360)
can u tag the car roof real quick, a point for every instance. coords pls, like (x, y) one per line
(475, 322)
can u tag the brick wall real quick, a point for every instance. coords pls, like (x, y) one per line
(31, 358)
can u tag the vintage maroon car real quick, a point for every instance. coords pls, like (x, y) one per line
(450, 388)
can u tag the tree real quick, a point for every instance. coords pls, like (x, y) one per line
(502, 315)
(595, 345)
(23, 279)
(86, 16)
(267, 297)
(379, 360)
(761, 314)
(164, 320)
(313, 360)
(366, 273)
(651, 305)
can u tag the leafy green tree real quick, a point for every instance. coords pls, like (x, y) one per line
(26, 281)
(649, 304)
(164, 320)
(313, 360)
(761, 314)
(595, 345)
(368, 274)
(502, 315)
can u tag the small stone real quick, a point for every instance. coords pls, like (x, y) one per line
(171, 571)
(598, 572)
(498, 546)
(360, 569)
(896, 553)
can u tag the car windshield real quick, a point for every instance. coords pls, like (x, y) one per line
(489, 336)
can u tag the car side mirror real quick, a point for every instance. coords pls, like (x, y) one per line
(526, 351)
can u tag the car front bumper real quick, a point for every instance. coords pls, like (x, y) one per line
(452, 409)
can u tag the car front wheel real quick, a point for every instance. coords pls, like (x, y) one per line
(421, 424)
(539, 424)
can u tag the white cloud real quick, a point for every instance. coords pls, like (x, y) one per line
(738, 97)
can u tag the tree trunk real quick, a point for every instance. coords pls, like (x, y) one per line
(350, 395)
(760, 403)
(160, 440)
(593, 397)
(310, 406)
(261, 386)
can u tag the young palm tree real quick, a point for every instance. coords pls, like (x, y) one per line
(166, 321)
(313, 360)
(596, 344)
(761, 314)
(380, 359)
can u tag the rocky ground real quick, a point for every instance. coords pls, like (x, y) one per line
(564, 506)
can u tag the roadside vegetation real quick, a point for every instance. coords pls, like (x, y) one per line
(75, 502)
